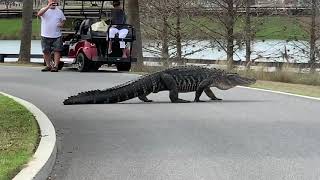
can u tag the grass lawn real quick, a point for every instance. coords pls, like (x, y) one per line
(10, 28)
(266, 27)
(269, 27)
(280, 28)
(18, 137)
(306, 90)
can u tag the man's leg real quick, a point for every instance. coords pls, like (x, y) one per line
(57, 56)
(57, 48)
(47, 59)
(45, 44)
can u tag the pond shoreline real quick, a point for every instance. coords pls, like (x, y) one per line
(262, 51)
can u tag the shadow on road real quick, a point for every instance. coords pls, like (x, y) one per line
(168, 102)
(104, 70)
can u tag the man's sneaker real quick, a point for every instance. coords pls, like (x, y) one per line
(54, 69)
(46, 69)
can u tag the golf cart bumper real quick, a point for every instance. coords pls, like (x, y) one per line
(114, 60)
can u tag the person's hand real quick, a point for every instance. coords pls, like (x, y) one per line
(60, 25)
(51, 4)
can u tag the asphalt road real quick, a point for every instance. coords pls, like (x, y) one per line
(249, 135)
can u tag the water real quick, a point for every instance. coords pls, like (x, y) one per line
(269, 50)
(13, 47)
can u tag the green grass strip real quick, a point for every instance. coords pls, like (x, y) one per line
(19, 135)
(11, 28)
(267, 27)
(300, 89)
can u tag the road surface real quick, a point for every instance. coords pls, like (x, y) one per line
(249, 135)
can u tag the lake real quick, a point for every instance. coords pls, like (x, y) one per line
(269, 50)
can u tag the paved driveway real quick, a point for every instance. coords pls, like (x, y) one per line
(250, 135)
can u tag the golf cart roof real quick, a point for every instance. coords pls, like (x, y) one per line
(88, 8)
(92, 0)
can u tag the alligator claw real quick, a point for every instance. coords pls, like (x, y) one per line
(181, 101)
(216, 99)
(199, 100)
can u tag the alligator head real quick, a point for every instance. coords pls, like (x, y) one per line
(230, 80)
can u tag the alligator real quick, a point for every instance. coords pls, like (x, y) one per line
(179, 79)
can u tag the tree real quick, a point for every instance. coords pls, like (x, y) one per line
(311, 24)
(165, 24)
(248, 33)
(134, 19)
(251, 25)
(313, 36)
(26, 31)
(222, 32)
(155, 21)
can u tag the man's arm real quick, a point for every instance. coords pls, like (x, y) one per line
(63, 20)
(61, 24)
(43, 10)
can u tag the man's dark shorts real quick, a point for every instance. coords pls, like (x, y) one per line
(51, 44)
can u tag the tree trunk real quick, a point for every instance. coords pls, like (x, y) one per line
(230, 49)
(26, 31)
(165, 41)
(178, 35)
(230, 20)
(313, 37)
(134, 19)
(248, 35)
(230, 35)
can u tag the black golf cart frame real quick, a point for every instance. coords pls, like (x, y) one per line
(87, 18)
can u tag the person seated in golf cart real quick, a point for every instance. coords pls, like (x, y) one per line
(118, 17)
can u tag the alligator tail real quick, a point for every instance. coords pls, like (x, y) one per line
(123, 92)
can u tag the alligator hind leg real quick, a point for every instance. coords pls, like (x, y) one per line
(171, 84)
(210, 94)
(144, 98)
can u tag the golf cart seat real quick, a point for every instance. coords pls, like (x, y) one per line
(86, 32)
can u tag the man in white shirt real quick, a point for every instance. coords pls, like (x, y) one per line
(52, 19)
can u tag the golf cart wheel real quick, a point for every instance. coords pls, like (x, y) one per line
(60, 66)
(82, 62)
(123, 66)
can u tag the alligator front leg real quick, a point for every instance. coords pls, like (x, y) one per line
(202, 87)
(171, 85)
(144, 98)
(210, 94)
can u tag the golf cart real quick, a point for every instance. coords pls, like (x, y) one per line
(87, 49)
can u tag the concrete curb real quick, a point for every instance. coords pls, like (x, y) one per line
(279, 92)
(43, 160)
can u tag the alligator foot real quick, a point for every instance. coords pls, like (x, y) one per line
(198, 100)
(216, 99)
(144, 99)
(180, 101)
